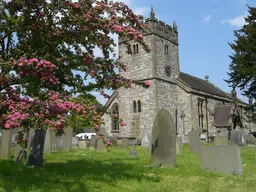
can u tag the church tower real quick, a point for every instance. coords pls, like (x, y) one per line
(138, 106)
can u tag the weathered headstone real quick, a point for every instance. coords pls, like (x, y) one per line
(82, 144)
(31, 134)
(146, 138)
(194, 141)
(178, 145)
(220, 141)
(236, 137)
(250, 140)
(59, 143)
(6, 143)
(100, 146)
(67, 139)
(133, 153)
(48, 141)
(54, 140)
(113, 140)
(103, 131)
(92, 143)
(226, 159)
(163, 147)
(124, 143)
(74, 141)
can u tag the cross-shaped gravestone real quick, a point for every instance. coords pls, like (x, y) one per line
(163, 148)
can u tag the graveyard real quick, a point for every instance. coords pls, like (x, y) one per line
(86, 170)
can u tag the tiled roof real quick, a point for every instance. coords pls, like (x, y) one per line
(202, 85)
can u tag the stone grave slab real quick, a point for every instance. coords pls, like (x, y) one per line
(48, 141)
(67, 139)
(178, 145)
(100, 146)
(92, 143)
(163, 147)
(59, 143)
(220, 141)
(82, 144)
(236, 137)
(225, 159)
(124, 143)
(146, 138)
(6, 143)
(194, 141)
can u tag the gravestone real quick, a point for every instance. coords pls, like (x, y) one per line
(92, 143)
(18, 156)
(194, 141)
(103, 131)
(146, 138)
(100, 146)
(178, 145)
(31, 135)
(67, 139)
(163, 147)
(236, 137)
(82, 144)
(226, 159)
(124, 143)
(113, 140)
(133, 153)
(59, 143)
(48, 141)
(220, 141)
(74, 141)
(250, 140)
(54, 140)
(6, 143)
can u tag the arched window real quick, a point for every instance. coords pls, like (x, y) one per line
(139, 106)
(166, 49)
(115, 114)
(135, 48)
(134, 107)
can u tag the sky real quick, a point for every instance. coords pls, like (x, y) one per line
(205, 29)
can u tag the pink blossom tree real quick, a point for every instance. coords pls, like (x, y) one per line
(47, 53)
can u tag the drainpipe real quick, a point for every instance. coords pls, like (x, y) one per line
(207, 126)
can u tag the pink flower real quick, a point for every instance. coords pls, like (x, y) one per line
(37, 114)
(147, 83)
(123, 124)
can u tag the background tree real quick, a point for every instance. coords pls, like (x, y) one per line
(243, 65)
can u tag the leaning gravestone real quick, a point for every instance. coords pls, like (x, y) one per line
(226, 159)
(194, 141)
(163, 147)
(220, 141)
(92, 143)
(6, 143)
(236, 137)
(146, 138)
(100, 146)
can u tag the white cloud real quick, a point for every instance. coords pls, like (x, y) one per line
(207, 19)
(236, 21)
(141, 10)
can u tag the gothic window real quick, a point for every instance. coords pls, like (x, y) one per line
(200, 113)
(134, 107)
(139, 106)
(115, 114)
(166, 49)
(135, 48)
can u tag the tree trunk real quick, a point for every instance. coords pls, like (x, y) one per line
(35, 158)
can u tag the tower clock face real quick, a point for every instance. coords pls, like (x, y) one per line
(168, 71)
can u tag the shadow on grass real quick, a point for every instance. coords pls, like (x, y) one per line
(72, 175)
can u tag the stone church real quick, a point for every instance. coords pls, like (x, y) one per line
(190, 100)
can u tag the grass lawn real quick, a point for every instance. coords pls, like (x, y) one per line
(83, 170)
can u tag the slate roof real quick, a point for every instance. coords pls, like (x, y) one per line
(202, 85)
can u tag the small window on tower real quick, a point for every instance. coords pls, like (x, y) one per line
(134, 107)
(135, 48)
(166, 49)
(139, 106)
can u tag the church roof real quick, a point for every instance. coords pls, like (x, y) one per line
(202, 85)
